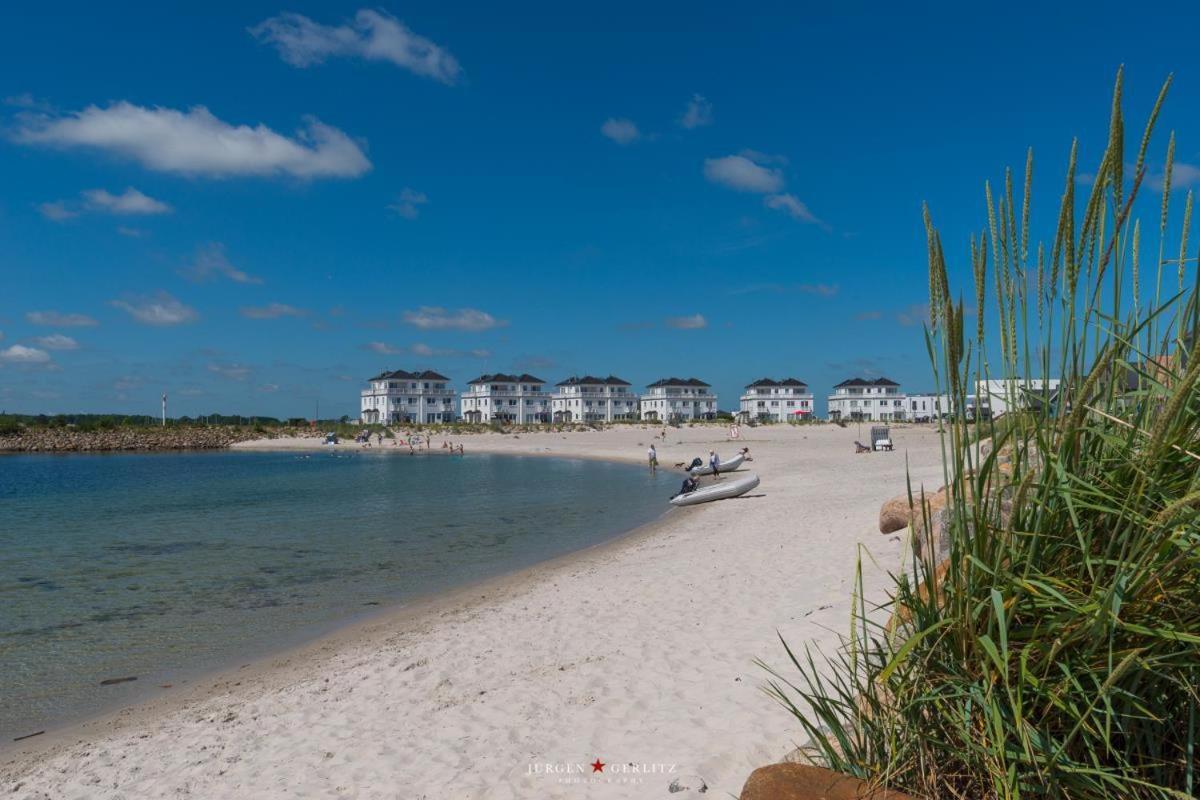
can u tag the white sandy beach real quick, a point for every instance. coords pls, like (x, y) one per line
(638, 652)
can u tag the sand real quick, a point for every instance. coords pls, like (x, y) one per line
(638, 654)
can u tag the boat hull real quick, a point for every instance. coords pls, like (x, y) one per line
(726, 466)
(721, 490)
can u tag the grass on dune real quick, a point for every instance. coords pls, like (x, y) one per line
(1057, 651)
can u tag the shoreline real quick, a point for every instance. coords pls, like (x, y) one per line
(637, 648)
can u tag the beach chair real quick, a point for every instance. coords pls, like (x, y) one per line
(881, 437)
(859, 447)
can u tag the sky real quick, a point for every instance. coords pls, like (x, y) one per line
(257, 207)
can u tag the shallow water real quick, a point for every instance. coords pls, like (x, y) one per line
(163, 565)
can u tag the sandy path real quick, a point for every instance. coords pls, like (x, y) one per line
(638, 652)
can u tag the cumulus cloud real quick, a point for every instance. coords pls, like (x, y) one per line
(699, 112)
(20, 354)
(58, 319)
(57, 211)
(1183, 176)
(195, 142)
(408, 203)
(272, 311)
(233, 372)
(434, 318)
(131, 201)
(371, 35)
(742, 174)
(694, 322)
(620, 130)
(57, 341)
(211, 262)
(159, 309)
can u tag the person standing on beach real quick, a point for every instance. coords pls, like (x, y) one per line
(714, 461)
(652, 457)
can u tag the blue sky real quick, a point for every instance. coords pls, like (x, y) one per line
(265, 204)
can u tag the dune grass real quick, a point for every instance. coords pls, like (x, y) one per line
(1057, 653)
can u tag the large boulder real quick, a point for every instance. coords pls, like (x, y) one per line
(894, 514)
(788, 781)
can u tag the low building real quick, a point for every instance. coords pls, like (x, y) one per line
(769, 400)
(520, 399)
(678, 400)
(592, 399)
(857, 399)
(1008, 394)
(408, 397)
(926, 407)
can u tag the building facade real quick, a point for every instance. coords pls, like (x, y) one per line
(857, 399)
(408, 397)
(520, 399)
(678, 400)
(769, 400)
(1001, 396)
(592, 399)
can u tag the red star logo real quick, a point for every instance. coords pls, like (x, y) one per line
(598, 766)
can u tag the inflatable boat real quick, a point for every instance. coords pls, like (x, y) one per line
(718, 490)
(726, 466)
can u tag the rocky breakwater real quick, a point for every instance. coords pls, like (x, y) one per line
(68, 439)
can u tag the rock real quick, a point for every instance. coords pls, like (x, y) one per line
(802, 782)
(895, 514)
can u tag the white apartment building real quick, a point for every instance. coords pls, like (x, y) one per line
(408, 397)
(926, 407)
(520, 399)
(856, 399)
(592, 399)
(787, 400)
(678, 400)
(1016, 393)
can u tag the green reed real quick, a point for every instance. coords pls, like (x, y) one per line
(1057, 651)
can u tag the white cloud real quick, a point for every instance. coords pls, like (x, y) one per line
(1183, 176)
(272, 311)
(621, 131)
(130, 202)
(740, 173)
(694, 322)
(211, 262)
(20, 354)
(432, 318)
(57, 211)
(132, 233)
(373, 35)
(268, 388)
(59, 320)
(233, 372)
(194, 142)
(699, 112)
(792, 205)
(425, 351)
(57, 341)
(159, 309)
(407, 205)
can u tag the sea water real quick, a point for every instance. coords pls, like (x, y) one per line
(161, 566)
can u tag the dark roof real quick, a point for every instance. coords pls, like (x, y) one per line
(762, 382)
(427, 375)
(500, 377)
(861, 382)
(592, 380)
(792, 382)
(678, 382)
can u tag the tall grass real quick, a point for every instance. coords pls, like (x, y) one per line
(1056, 652)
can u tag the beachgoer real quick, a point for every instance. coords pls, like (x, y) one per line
(690, 485)
(652, 457)
(714, 461)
